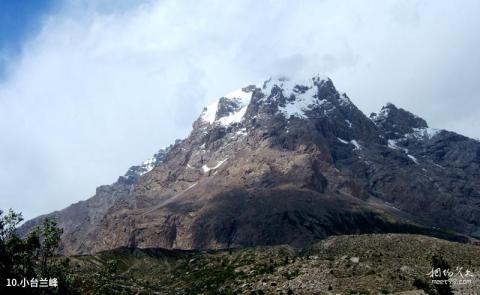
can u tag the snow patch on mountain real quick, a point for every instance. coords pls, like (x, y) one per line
(429, 133)
(138, 170)
(209, 112)
(344, 100)
(413, 158)
(382, 115)
(235, 117)
(392, 143)
(205, 168)
(240, 97)
(147, 166)
(303, 102)
(356, 144)
(241, 132)
(289, 85)
(300, 95)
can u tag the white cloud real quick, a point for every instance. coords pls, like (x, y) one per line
(102, 88)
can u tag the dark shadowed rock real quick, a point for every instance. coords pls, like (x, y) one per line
(396, 122)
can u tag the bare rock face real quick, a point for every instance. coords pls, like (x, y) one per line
(396, 122)
(285, 162)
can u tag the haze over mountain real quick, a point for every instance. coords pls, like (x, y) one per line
(286, 161)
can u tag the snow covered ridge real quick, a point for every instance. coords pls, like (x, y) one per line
(417, 134)
(301, 95)
(421, 133)
(136, 171)
(305, 93)
(146, 166)
(240, 98)
(383, 114)
(291, 86)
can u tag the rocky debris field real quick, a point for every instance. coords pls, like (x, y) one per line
(356, 264)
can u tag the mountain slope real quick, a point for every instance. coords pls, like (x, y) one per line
(285, 162)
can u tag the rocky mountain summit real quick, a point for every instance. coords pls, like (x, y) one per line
(286, 162)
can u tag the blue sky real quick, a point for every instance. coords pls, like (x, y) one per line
(19, 20)
(93, 87)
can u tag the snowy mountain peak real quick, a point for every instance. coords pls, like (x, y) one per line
(292, 85)
(298, 97)
(292, 98)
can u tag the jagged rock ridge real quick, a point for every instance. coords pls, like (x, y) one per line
(285, 162)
